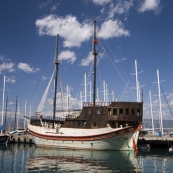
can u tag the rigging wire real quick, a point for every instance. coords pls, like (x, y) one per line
(166, 101)
(118, 64)
(61, 91)
(40, 82)
(126, 83)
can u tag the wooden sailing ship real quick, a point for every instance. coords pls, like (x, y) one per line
(99, 126)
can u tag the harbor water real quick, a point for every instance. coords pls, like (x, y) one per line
(28, 158)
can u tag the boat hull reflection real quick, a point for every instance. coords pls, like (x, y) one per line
(62, 160)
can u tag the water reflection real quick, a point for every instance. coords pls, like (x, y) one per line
(14, 157)
(29, 158)
(59, 160)
(157, 160)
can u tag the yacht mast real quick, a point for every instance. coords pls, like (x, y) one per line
(56, 76)
(151, 112)
(160, 103)
(90, 91)
(15, 123)
(85, 91)
(3, 103)
(5, 115)
(95, 61)
(137, 82)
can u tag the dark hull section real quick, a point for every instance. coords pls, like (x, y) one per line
(4, 139)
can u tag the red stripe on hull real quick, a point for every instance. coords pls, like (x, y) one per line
(88, 138)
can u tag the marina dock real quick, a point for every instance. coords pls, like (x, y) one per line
(21, 139)
(156, 141)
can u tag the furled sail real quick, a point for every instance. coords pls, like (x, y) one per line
(43, 99)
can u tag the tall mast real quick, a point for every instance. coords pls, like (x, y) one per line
(95, 61)
(151, 112)
(56, 76)
(160, 103)
(15, 115)
(85, 91)
(3, 103)
(25, 115)
(5, 114)
(137, 82)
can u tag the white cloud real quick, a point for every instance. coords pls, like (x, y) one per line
(1, 58)
(170, 96)
(112, 28)
(10, 79)
(26, 68)
(73, 32)
(149, 5)
(88, 60)
(44, 78)
(10, 103)
(70, 56)
(54, 7)
(101, 2)
(120, 8)
(119, 60)
(6, 66)
(44, 4)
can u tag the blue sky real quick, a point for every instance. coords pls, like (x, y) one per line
(127, 30)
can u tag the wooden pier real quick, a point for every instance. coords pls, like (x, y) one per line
(156, 141)
(21, 139)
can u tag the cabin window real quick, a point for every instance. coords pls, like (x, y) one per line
(98, 111)
(95, 124)
(138, 112)
(109, 111)
(85, 124)
(133, 111)
(121, 111)
(127, 111)
(115, 111)
(89, 111)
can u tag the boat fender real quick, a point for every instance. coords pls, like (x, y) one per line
(11, 138)
(90, 104)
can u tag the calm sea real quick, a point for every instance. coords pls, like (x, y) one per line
(29, 158)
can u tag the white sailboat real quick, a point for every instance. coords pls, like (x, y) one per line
(100, 125)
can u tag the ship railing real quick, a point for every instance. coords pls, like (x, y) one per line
(71, 116)
(47, 118)
(90, 104)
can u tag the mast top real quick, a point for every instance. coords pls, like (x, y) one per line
(57, 62)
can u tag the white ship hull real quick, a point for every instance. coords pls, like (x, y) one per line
(91, 139)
